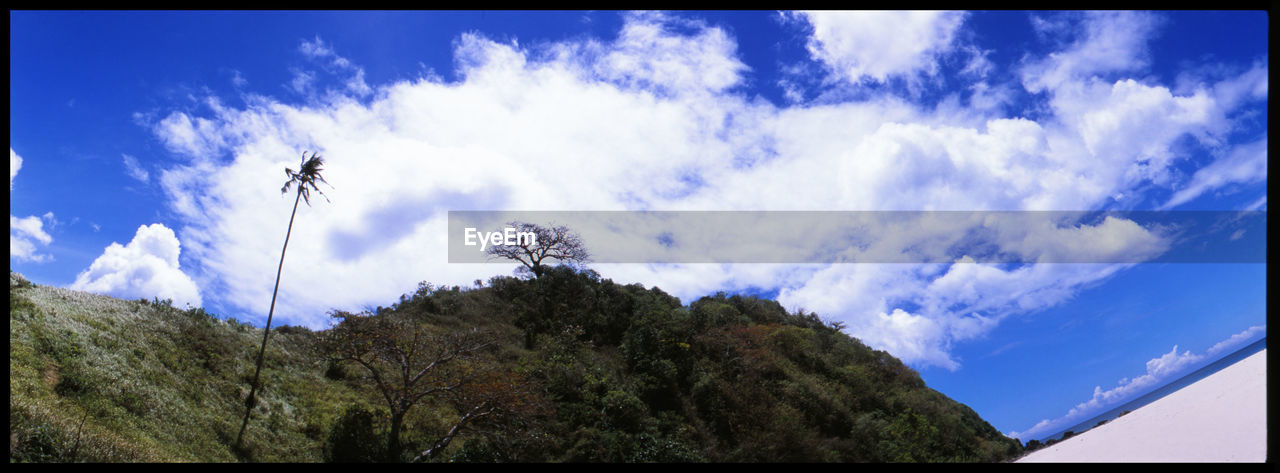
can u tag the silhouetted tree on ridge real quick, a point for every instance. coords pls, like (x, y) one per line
(555, 243)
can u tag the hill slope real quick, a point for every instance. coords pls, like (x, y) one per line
(607, 372)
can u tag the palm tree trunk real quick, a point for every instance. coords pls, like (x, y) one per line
(251, 401)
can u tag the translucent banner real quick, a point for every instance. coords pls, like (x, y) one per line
(836, 237)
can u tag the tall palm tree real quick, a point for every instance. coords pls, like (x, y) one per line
(306, 178)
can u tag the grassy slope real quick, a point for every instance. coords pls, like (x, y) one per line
(94, 378)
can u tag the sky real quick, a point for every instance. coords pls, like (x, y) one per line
(147, 150)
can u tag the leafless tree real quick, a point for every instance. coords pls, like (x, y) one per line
(556, 243)
(409, 361)
(492, 398)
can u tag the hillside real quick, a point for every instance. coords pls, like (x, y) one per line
(571, 368)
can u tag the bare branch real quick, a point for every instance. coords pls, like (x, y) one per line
(554, 243)
(407, 359)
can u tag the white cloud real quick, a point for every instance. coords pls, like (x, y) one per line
(1121, 131)
(922, 310)
(1110, 42)
(1251, 85)
(878, 45)
(27, 234)
(1235, 341)
(651, 121)
(648, 56)
(1245, 164)
(302, 81)
(15, 163)
(238, 80)
(1259, 204)
(198, 138)
(145, 268)
(318, 50)
(135, 170)
(51, 220)
(911, 337)
(1114, 239)
(1159, 371)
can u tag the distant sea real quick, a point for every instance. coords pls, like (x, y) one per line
(1167, 389)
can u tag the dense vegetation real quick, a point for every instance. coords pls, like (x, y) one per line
(576, 368)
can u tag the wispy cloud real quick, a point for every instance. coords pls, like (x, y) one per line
(317, 50)
(1245, 164)
(134, 170)
(1104, 43)
(196, 138)
(1259, 204)
(238, 80)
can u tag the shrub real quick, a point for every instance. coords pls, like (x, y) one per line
(73, 380)
(39, 444)
(292, 329)
(352, 439)
(625, 411)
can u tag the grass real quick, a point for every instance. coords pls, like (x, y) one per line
(99, 379)
(619, 373)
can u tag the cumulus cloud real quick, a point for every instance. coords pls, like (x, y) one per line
(651, 121)
(27, 234)
(1159, 371)
(1125, 129)
(147, 267)
(647, 55)
(1235, 341)
(878, 45)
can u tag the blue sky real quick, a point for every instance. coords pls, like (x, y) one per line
(146, 150)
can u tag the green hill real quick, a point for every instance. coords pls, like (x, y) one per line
(571, 368)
